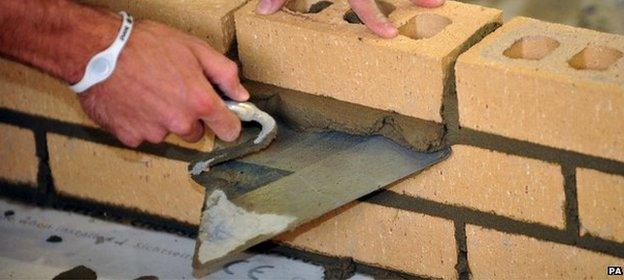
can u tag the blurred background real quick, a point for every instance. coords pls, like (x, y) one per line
(601, 15)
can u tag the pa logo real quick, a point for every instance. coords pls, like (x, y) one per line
(614, 270)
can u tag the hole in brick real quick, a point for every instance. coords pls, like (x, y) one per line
(307, 6)
(385, 8)
(424, 26)
(531, 48)
(595, 57)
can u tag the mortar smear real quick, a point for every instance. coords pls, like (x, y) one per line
(226, 227)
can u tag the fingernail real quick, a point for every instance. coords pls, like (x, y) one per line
(264, 7)
(244, 94)
(390, 31)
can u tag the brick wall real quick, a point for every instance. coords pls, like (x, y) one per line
(534, 188)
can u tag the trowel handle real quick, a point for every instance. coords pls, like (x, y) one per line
(247, 111)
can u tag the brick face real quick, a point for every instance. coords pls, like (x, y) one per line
(522, 82)
(212, 20)
(497, 255)
(323, 54)
(126, 178)
(30, 91)
(19, 162)
(520, 188)
(601, 204)
(382, 236)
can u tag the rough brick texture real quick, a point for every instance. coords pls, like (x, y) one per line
(30, 91)
(546, 83)
(497, 255)
(211, 20)
(520, 188)
(601, 204)
(325, 55)
(386, 237)
(19, 162)
(120, 177)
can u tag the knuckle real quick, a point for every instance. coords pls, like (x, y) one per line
(230, 69)
(155, 136)
(204, 104)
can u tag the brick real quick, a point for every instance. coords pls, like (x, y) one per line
(18, 153)
(601, 204)
(324, 55)
(126, 178)
(498, 255)
(30, 91)
(211, 20)
(391, 238)
(516, 187)
(546, 83)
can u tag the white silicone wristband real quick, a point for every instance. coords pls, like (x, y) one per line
(102, 65)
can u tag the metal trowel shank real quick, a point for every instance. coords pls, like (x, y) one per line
(299, 177)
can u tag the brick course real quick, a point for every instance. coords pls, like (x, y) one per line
(497, 255)
(520, 188)
(601, 204)
(126, 178)
(382, 236)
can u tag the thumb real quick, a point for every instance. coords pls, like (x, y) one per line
(266, 7)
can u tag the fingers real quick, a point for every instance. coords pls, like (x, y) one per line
(221, 71)
(372, 17)
(266, 7)
(428, 3)
(195, 133)
(213, 112)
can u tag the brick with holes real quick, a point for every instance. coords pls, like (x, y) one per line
(311, 46)
(212, 21)
(546, 83)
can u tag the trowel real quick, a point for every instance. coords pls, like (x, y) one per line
(276, 178)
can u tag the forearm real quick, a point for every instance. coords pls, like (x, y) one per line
(56, 36)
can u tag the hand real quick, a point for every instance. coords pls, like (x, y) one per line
(162, 84)
(366, 10)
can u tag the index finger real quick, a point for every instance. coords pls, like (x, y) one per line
(373, 18)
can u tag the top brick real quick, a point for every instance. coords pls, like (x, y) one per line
(211, 20)
(318, 47)
(546, 83)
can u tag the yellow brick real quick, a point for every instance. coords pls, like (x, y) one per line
(382, 236)
(325, 55)
(30, 91)
(520, 188)
(19, 161)
(126, 178)
(497, 255)
(523, 82)
(601, 204)
(211, 20)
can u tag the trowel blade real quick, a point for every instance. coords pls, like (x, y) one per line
(300, 177)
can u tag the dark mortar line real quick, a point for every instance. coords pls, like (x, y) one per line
(27, 194)
(91, 134)
(571, 209)
(45, 189)
(464, 136)
(19, 191)
(462, 267)
(325, 260)
(494, 221)
(536, 151)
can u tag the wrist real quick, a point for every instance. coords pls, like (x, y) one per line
(58, 37)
